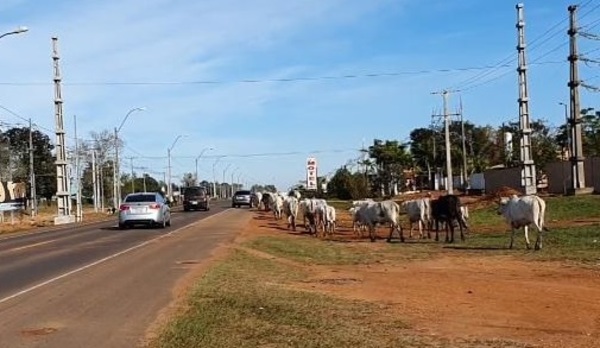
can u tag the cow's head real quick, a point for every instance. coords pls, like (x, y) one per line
(502, 204)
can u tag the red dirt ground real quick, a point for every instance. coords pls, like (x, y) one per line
(545, 304)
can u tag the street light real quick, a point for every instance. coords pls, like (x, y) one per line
(232, 173)
(224, 171)
(169, 189)
(197, 158)
(19, 30)
(116, 165)
(215, 176)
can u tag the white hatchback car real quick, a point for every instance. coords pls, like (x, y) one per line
(144, 208)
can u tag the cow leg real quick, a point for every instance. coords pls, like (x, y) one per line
(512, 237)
(389, 239)
(462, 236)
(293, 218)
(538, 242)
(420, 229)
(429, 228)
(410, 230)
(437, 231)
(447, 231)
(526, 229)
(372, 232)
(399, 228)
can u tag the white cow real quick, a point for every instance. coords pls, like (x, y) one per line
(522, 212)
(295, 193)
(419, 211)
(357, 226)
(290, 209)
(277, 206)
(386, 212)
(257, 199)
(330, 219)
(313, 211)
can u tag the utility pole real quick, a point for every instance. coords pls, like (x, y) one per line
(528, 174)
(169, 170)
(435, 168)
(446, 115)
(116, 172)
(145, 181)
(466, 184)
(32, 173)
(63, 196)
(79, 210)
(577, 165)
(95, 181)
(132, 178)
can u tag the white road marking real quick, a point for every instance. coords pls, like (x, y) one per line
(110, 257)
(31, 245)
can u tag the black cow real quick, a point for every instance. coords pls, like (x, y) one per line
(446, 209)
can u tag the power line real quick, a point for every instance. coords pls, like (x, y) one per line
(261, 154)
(291, 79)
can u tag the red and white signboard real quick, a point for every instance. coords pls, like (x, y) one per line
(311, 173)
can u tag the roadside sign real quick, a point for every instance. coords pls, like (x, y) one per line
(311, 173)
(12, 195)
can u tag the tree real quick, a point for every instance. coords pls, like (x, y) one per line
(347, 185)
(189, 179)
(390, 158)
(545, 148)
(43, 164)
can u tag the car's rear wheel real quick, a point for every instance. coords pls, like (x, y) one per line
(122, 226)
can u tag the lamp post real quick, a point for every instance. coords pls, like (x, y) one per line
(215, 176)
(224, 171)
(197, 158)
(239, 182)
(169, 189)
(232, 179)
(116, 164)
(19, 30)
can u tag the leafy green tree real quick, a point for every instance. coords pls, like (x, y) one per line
(391, 158)
(189, 179)
(545, 148)
(347, 185)
(43, 164)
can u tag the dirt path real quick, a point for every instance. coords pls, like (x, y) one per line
(478, 297)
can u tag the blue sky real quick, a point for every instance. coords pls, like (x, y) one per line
(226, 41)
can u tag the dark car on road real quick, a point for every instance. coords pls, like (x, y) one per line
(195, 198)
(241, 197)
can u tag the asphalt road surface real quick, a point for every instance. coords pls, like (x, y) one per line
(96, 285)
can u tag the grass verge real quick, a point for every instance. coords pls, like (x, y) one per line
(315, 251)
(246, 301)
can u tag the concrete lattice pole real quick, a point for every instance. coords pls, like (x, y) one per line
(528, 174)
(63, 196)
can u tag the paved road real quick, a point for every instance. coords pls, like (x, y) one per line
(97, 286)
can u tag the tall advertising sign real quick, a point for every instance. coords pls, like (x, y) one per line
(12, 196)
(311, 173)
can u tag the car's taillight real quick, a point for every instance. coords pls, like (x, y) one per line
(123, 207)
(155, 206)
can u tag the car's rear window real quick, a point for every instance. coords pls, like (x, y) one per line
(194, 191)
(140, 198)
(242, 193)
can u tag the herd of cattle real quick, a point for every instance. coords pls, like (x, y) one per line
(320, 218)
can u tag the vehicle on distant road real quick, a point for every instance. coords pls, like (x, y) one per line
(144, 208)
(241, 197)
(195, 198)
